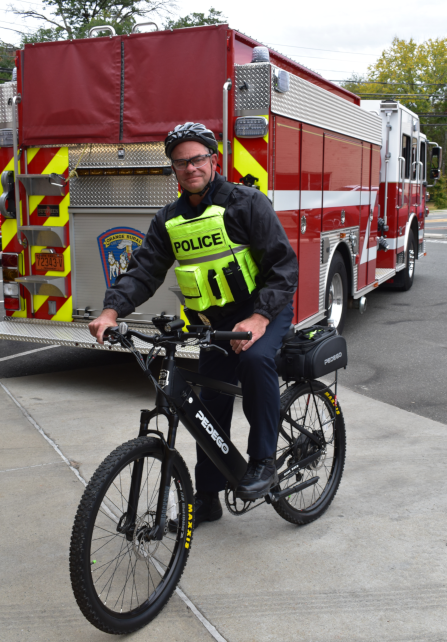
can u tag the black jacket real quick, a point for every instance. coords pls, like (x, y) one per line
(249, 220)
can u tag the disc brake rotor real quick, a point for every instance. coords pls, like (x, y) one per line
(144, 547)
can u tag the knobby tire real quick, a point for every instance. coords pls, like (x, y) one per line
(319, 414)
(121, 582)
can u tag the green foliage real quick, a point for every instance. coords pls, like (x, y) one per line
(408, 68)
(197, 20)
(42, 34)
(74, 18)
(7, 55)
(438, 193)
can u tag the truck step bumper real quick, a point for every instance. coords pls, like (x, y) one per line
(75, 335)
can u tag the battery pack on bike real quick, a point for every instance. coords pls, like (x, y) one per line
(311, 353)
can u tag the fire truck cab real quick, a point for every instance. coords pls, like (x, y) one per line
(84, 172)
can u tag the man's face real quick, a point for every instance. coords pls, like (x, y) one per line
(192, 178)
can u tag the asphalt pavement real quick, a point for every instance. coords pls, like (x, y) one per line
(398, 349)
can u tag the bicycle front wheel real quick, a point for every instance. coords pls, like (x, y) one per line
(314, 409)
(121, 578)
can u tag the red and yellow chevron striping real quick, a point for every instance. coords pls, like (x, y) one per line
(43, 161)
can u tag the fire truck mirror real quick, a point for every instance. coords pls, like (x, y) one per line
(435, 158)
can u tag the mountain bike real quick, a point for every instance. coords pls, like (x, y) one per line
(134, 526)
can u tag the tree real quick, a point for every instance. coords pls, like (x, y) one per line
(438, 193)
(416, 75)
(74, 18)
(197, 20)
(7, 54)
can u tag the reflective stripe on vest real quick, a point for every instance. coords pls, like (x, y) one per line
(213, 270)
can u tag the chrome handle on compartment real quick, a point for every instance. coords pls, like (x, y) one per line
(303, 224)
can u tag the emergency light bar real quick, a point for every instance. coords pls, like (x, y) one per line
(124, 171)
(246, 127)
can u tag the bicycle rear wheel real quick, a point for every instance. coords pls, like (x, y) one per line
(122, 580)
(314, 409)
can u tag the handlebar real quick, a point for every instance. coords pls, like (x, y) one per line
(221, 335)
(122, 330)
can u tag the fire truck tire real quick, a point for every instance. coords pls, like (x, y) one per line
(320, 414)
(403, 280)
(122, 579)
(336, 297)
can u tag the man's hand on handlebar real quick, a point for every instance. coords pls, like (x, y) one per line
(106, 319)
(256, 324)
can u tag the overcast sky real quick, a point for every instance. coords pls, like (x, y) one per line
(333, 38)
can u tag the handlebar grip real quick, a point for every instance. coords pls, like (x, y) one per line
(222, 335)
(108, 331)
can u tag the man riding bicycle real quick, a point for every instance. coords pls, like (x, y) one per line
(237, 271)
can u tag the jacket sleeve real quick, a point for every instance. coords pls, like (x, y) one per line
(147, 270)
(275, 257)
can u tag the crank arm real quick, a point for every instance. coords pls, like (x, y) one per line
(275, 497)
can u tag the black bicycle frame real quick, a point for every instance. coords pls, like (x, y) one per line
(177, 401)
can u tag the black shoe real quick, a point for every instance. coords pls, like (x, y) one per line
(207, 508)
(261, 475)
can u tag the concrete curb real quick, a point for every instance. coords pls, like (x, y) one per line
(435, 236)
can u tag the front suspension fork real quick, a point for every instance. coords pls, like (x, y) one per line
(129, 518)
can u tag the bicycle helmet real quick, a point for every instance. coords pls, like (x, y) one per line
(190, 131)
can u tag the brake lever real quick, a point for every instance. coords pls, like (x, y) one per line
(212, 346)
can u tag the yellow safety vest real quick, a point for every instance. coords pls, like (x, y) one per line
(212, 269)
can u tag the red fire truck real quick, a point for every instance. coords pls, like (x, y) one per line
(87, 172)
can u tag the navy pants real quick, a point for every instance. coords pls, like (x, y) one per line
(255, 369)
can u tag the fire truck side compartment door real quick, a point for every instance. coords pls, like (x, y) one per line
(100, 245)
(311, 209)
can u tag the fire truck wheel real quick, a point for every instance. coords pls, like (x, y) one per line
(120, 574)
(404, 279)
(316, 410)
(336, 299)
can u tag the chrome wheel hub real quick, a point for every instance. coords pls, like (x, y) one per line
(335, 303)
(411, 262)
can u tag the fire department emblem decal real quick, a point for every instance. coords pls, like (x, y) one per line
(116, 247)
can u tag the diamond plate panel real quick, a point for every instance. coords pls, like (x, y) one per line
(123, 191)
(311, 104)
(383, 274)
(135, 155)
(257, 77)
(7, 90)
(76, 335)
(334, 241)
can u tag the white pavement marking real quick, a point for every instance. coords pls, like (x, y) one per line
(22, 354)
(26, 414)
(209, 627)
(433, 241)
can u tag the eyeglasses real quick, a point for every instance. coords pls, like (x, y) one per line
(195, 161)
